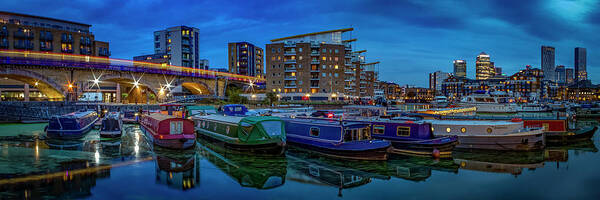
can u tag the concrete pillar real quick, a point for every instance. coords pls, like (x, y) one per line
(118, 93)
(26, 92)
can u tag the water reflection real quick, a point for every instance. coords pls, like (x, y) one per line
(255, 171)
(179, 170)
(310, 168)
(499, 162)
(418, 168)
(560, 154)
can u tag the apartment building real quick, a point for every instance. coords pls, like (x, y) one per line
(245, 59)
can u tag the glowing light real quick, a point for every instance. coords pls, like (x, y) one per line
(97, 156)
(36, 83)
(334, 95)
(70, 85)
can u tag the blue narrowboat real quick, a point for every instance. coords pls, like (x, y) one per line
(72, 125)
(233, 110)
(410, 137)
(348, 140)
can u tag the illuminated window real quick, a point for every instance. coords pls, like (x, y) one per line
(324, 58)
(378, 129)
(463, 129)
(448, 130)
(403, 131)
(489, 130)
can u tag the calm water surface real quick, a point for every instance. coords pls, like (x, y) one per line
(128, 168)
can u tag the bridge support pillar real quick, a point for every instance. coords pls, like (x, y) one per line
(118, 94)
(26, 92)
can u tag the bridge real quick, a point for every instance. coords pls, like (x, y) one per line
(66, 77)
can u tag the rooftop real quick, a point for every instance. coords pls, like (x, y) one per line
(46, 18)
(315, 33)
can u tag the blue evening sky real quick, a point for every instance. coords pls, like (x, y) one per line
(409, 38)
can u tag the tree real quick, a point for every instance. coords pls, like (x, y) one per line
(235, 97)
(271, 98)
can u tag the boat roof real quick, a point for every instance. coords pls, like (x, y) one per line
(79, 114)
(161, 117)
(236, 119)
(470, 122)
(200, 108)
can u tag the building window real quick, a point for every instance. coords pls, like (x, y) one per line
(324, 58)
(337, 51)
(336, 66)
(403, 131)
(336, 58)
(336, 75)
(300, 49)
(324, 66)
(314, 131)
(324, 74)
(299, 57)
(378, 129)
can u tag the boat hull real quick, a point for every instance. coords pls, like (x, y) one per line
(424, 148)
(179, 143)
(511, 142)
(267, 148)
(69, 134)
(568, 137)
(358, 154)
(111, 134)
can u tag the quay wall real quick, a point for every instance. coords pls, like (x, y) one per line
(15, 111)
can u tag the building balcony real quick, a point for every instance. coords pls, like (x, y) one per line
(24, 46)
(289, 44)
(290, 86)
(348, 47)
(349, 71)
(186, 50)
(348, 64)
(289, 53)
(27, 35)
(186, 43)
(315, 45)
(314, 62)
(290, 69)
(290, 61)
(290, 78)
(348, 56)
(315, 53)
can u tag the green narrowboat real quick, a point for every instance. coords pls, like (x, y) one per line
(252, 134)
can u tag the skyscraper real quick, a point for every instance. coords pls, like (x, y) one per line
(569, 76)
(436, 79)
(460, 68)
(245, 59)
(548, 62)
(580, 64)
(560, 74)
(484, 67)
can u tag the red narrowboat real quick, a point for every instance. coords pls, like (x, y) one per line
(168, 131)
(557, 130)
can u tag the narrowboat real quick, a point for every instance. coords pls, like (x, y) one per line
(556, 129)
(130, 117)
(491, 135)
(111, 125)
(72, 125)
(338, 139)
(410, 137)
(232, 110)
(250, 134)
(168, 131)
(176, 110)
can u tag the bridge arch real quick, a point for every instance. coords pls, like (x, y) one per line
(195, 87)
(46, 85)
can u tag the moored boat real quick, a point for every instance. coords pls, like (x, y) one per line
(489, 104)
(493, 135)
(410, 137)
(247, 134)
(130, 117)
(111, 125)
(168, 131)
(72, 125)
(339, 139)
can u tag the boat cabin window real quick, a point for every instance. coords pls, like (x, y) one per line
(314, 131)
(356, 134)
(378, 129)
(403, 131)
(238, 109)
(176, 127)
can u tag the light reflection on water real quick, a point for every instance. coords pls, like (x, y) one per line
(209, 169)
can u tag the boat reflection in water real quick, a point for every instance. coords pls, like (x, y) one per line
(310, 168)
(560, 153)
(417, 168)
(178, 170)
(75, 182)
(249, 170)
(499, 162)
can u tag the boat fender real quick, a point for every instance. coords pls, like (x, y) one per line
(435, 153)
